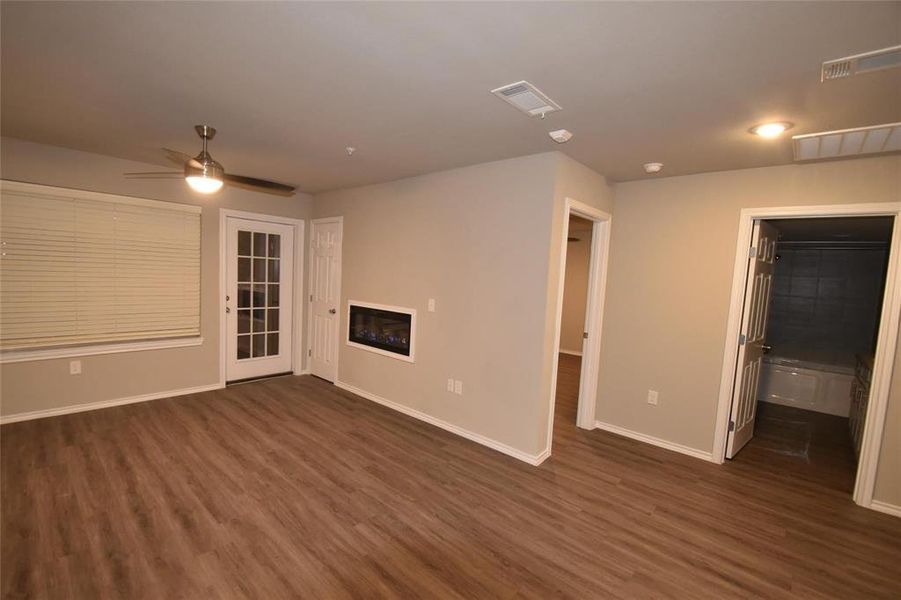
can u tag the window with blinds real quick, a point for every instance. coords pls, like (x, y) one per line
(88, 268)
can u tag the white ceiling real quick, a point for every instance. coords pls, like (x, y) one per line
(289, 85)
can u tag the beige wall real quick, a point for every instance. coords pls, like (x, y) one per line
(46, 384)
(479, 241)
(575, 289)
(669, 283)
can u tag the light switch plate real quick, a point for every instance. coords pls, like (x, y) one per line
(652, 397)
(74, 367)
(458, 387)
(450, 385)
(431, 305)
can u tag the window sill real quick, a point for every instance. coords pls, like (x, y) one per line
(27, 355)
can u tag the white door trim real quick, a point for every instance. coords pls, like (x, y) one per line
(885, 347)
(297, 292)
(309, 347)
(594, 310)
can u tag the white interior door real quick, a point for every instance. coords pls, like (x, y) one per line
(259, 298)
(758, 291)
(325, 297)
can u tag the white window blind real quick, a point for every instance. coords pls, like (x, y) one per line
(83, 268)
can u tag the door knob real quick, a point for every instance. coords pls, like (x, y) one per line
(332, 311)
(766, 349)
(227, 309)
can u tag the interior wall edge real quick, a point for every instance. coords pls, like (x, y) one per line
(655, 441)
(532, 459)
(89, 406)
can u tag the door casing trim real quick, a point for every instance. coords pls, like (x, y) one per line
(594, 315)
(886, 342)
(296, 292)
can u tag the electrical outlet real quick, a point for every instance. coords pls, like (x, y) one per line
(450, 385)
(74, 367)
(458, 387)
(652, 397)
(431, 305)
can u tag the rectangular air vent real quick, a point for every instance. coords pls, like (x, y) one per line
(877, 139)
(861, 63)
(527, 98)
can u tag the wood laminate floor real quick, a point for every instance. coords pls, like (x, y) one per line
(292, 488)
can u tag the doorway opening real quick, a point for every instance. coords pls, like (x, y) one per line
(817, 316)
(580, 305)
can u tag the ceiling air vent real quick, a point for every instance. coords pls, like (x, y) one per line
(861, 63)
(877, 139)
(527, 98)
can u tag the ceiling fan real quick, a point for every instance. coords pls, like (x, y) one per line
(207, 176)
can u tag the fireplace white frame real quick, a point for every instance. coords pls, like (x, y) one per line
(398, 309)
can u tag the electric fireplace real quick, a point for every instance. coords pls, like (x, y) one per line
(387, 330)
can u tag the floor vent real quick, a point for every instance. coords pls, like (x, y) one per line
(878, 139)
(861, 63)
(527, 98)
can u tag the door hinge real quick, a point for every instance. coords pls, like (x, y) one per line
(742, 339)
(731, 425)
(311, 297)
(752, 252)
(584, 335)
(310, 352)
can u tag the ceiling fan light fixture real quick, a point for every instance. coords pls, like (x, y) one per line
(206, 177)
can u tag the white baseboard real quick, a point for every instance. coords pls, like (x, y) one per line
(571, 352)
(649, 439)
(77, 408)
(885, 507)
(532, 459)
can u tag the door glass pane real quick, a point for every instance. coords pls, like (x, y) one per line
(243, 269)
(259, 244)
(259, 320)
(244, 243)
(272, 320)
(272, 344)
(273, 295)
(274, 245)
(259, 295)
(273, 270)
(243, 295)
(243, 321)
(243, 346)
(259, 344)
(259, 269)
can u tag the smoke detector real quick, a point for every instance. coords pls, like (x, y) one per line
(561, 136)
(653, 167)
(877, 139)
(856, 64)
(527, 98)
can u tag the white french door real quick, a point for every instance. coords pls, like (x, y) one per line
(259, 298)
(325, 296)
(758, 291)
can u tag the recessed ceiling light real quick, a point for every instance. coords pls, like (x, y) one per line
(652, 167)
(771, 130)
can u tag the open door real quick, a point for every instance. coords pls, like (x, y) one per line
(758, 290)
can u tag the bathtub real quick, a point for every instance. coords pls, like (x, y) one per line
(820, 387)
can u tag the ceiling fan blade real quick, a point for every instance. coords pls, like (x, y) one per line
(260, 185)
(155, 175)
(179, 158)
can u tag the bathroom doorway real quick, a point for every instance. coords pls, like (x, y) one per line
(815, 346)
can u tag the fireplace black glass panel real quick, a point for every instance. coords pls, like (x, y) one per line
(383, 329)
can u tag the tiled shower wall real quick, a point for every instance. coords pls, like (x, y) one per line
(826, 300)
